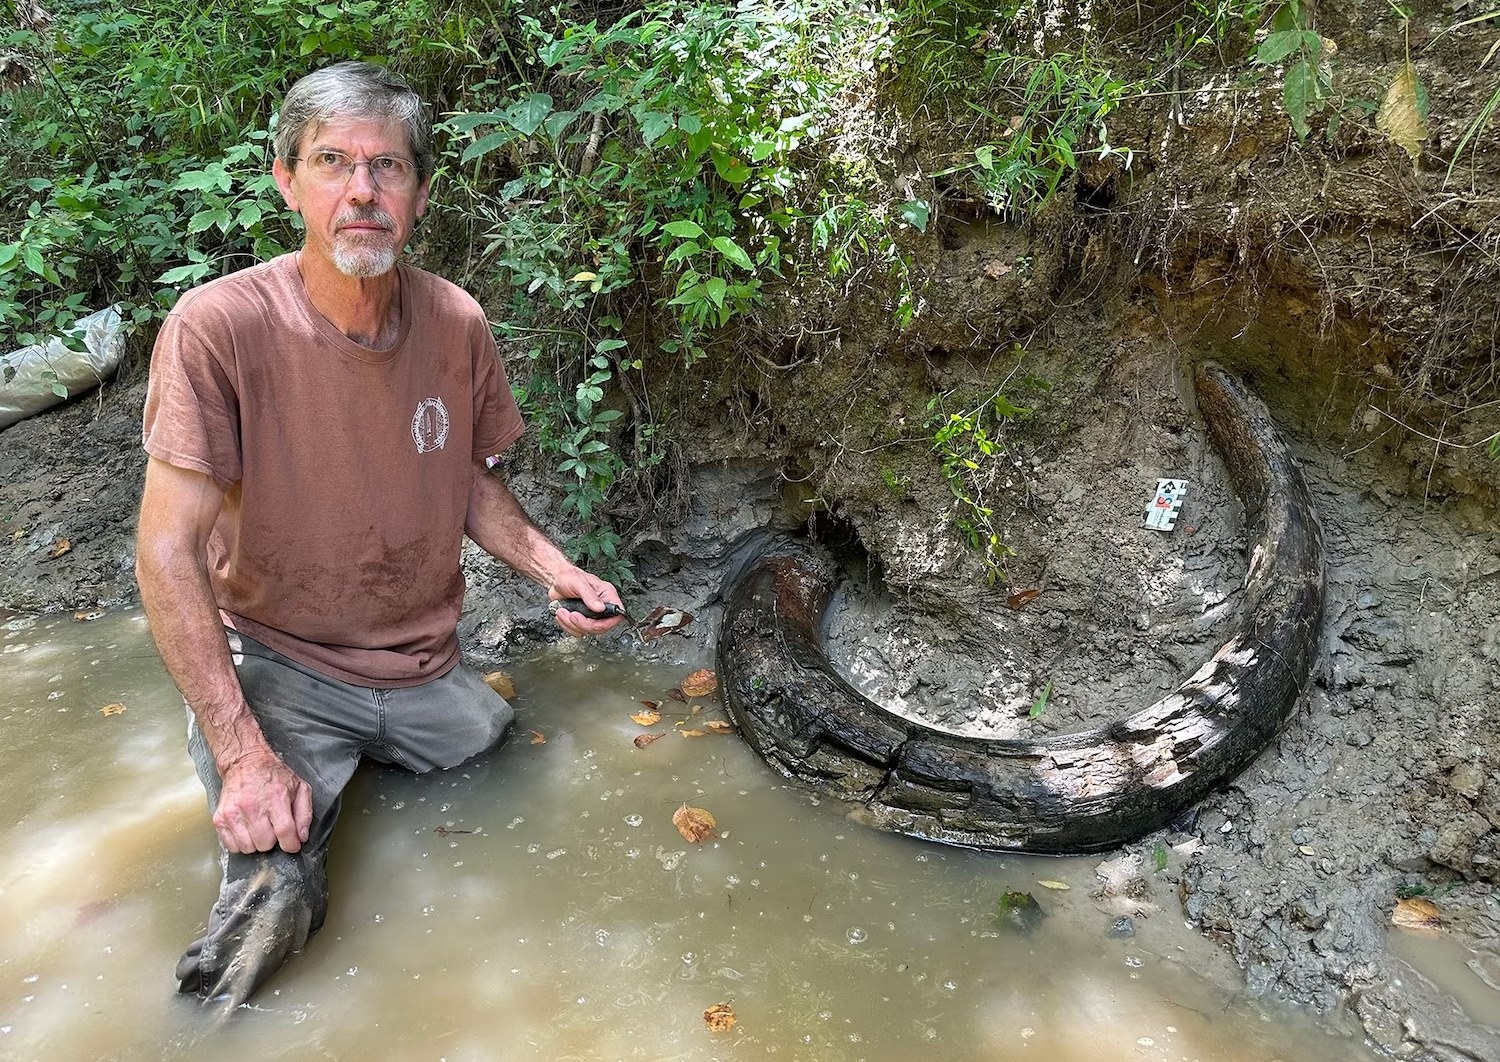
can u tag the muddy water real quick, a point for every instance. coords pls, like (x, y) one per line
(539, 904)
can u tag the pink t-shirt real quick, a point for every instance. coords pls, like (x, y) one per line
(346, 471)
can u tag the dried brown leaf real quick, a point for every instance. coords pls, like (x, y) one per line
(692, 733)
(700, 683)
(652, 704)
(663, 621)
(695, 824)
(677, 695)
(60, 547)
(720, 1017)
(1416, 913)
(1061, 886)
(1400, 114)
(538, 738)
(719, 726)
(696, 709)
(649, 717)
(642, 740)
(501, 683)
(87, 614)
(1022, 598)
(112, 709)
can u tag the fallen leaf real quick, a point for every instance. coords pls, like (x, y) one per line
(1416, 913)
(677, 695)
(650, 717)
(500, 682)
(700, 683)
(692, 733)
(444, 831)
(19, 534)
(1039, 705)
(1022, 598)
(995, 269)
(538, 738)
(1061, 886)
(1307, 849)
(60, 547)
(642, 740)
(1403, 112)
(695, 824)
(697, 709)
(718, 726)
(85, 615)
(720, 1017)
(652, 704)
(112, 709)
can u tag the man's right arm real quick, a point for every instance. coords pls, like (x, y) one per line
(263, 802)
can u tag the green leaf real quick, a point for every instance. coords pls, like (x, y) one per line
(715, 287)
(1278, 46)
(985, 156)
(8, 253)
(487, 143)
(604, 346)
(654, 125)
(528, 114)
(59, 390)
(1039, 705)
(729, 167)
(192, 271)
(689, 124)
(688, 229)
(732, 251)
(557, 123)
(33, 259)
(1299, 94)
(211, 178)
(915, 212)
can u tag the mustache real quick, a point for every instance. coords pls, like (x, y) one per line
(365, 216)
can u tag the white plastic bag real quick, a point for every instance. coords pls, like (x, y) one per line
(29, 391)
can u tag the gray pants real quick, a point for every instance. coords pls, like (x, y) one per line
(271, 902)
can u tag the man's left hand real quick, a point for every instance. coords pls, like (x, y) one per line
(593, 592)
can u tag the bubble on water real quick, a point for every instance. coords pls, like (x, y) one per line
(857, 935)
(670, 860)
(533, 848)
(922, 859)
(557, 852)
(515, 822)
(690, 958)
(949, 985)
(379, 917)
(807, 1039)
(825, 1015)
(807, 918)
(1134, 962)
(27, 999)
(602, 936)
(733, 879)
(633, 820)
(398, 805)
(353, 970)
(31, 979)
(4, 1029)
(855, 1038)
(54, 695)
(632, 853)
(1146, 1041)
(428, 910)
(589, 754)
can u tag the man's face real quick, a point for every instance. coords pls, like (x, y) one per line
(358, 224)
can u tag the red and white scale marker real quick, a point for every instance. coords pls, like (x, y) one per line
(1162, 513)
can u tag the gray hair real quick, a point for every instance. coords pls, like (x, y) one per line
(358, 91)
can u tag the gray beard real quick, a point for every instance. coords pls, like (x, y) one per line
(366, 261)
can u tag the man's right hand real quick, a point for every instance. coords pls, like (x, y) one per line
(263, 804)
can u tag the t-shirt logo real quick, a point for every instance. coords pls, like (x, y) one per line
(429, 425)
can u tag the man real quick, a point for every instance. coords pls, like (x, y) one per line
(318, 429)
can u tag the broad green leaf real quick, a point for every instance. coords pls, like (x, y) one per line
(1278, 46)
(1300, 93)
(1400, 116)
(732, 251)
(467, 123)
(190, 272)
(985, 156)
(528, 114)
(915, 212)
(8, 253)
(33, 259)
(209, 179)
(730, 168)
(59, 390)
(1039, 705)
(689, 124)
(487, 143)
(685, 229)
(715, 287)
(604, 346)
(654, 125)
(557, 123)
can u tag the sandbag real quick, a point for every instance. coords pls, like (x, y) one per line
(29, 391)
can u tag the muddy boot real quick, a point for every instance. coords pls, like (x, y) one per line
(269, 905)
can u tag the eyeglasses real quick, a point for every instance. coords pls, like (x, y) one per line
(334, 167)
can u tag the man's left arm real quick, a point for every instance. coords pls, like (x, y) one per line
(503, 530)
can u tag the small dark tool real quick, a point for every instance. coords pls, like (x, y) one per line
(610, 610)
